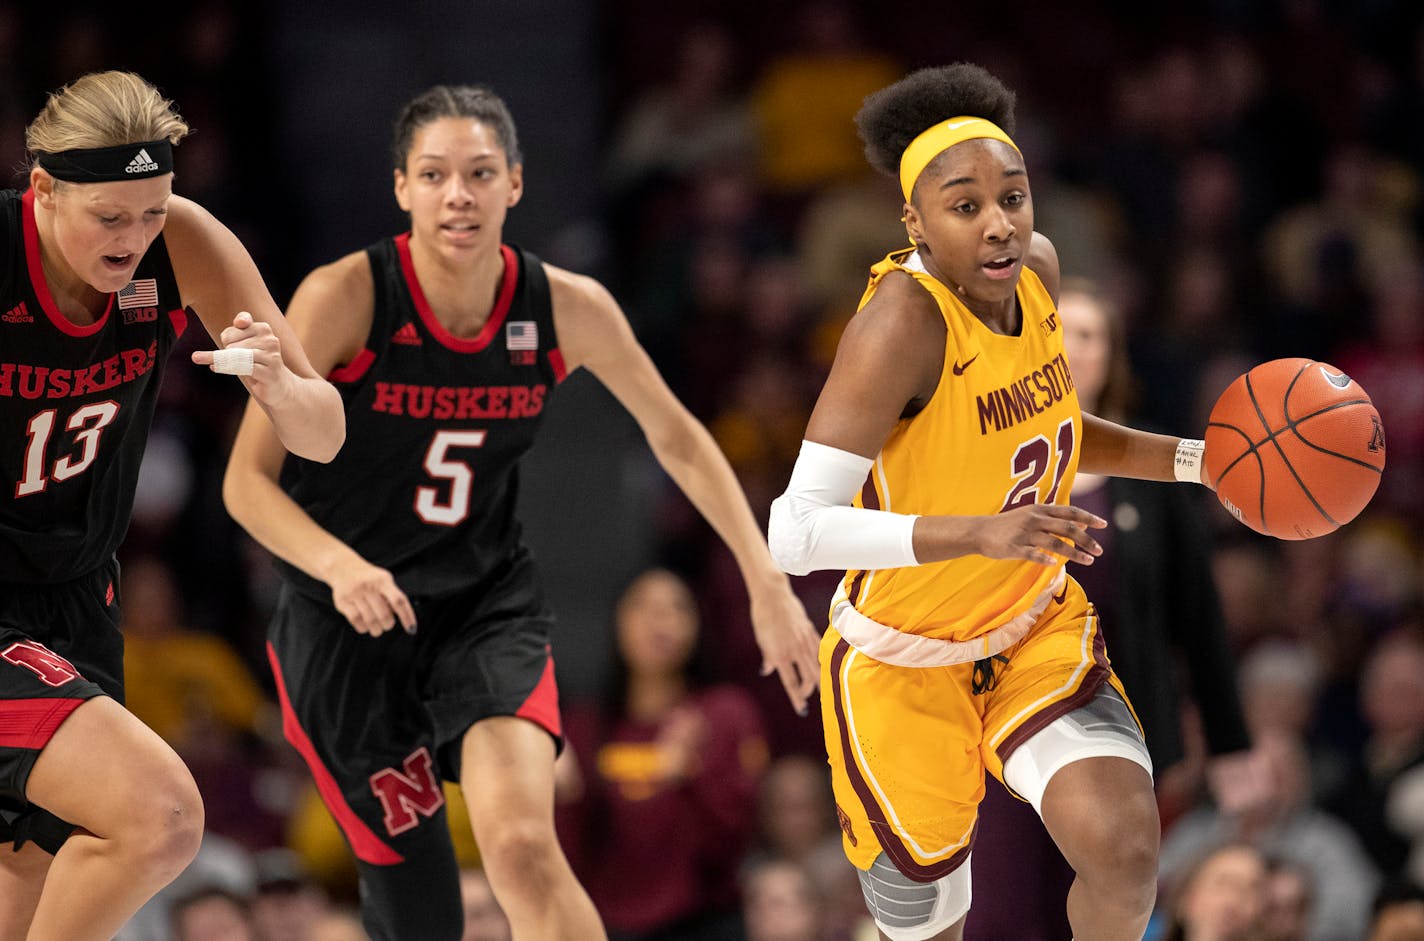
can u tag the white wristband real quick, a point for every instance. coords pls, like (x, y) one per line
(236, 361)
(1188, 465)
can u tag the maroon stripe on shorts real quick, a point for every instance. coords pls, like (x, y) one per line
(1097, 675)
(890, 841)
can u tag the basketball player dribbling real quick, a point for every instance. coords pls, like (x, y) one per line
(958, 644)
(103, 267)
(445, 344)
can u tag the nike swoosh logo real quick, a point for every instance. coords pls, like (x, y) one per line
(1061, 596)
(958, 368)
(1339, 381)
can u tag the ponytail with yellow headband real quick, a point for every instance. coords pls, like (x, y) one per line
(939, 138)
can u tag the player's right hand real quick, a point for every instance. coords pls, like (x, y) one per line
(368, 597)
(1046, 533)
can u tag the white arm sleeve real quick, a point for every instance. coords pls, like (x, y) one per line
(813, 526)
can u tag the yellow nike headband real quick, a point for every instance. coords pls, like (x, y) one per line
(939, 138)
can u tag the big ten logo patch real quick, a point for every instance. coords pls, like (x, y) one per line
(141, 315)
(408, 793)
(1049, 324)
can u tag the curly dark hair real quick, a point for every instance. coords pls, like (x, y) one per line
(894, 116)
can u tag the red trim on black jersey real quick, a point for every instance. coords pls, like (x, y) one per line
(556, 360)
(433, 324)
(353, 370)
(41, 286)
(364, 843)
(31, 723)
(542, 705)
(179, 318)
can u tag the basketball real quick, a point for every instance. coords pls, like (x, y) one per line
(1294, 448)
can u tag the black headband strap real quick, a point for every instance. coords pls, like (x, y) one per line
(109, 164)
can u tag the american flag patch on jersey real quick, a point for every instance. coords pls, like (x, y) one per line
(140, 293)
(521, 335)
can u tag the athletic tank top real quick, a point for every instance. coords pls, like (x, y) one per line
(76, 403)
(427, 481)
(1000, 431)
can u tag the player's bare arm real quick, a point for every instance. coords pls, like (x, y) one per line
(594, 333)
(366, 594)
(223, 286)
(1119, 451)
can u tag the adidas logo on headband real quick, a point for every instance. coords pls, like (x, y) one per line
(141, 163)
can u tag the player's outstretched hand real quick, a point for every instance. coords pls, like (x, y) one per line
(789, 644)
(252, 352)
(1046, 533)
(369, 598)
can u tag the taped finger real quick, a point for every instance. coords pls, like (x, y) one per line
(234, 361)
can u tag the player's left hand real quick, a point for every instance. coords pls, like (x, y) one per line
(269, 377)
(789, 644)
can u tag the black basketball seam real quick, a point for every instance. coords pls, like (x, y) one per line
(1250, 448)
(1271, 437)
(1312, 444)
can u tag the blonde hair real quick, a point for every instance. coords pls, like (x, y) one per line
(104, 109)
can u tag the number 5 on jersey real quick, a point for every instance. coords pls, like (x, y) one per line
(440, 466)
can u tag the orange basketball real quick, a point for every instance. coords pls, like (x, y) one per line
(1295, 448)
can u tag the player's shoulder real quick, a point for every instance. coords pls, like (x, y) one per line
(347, 274)
(1042, 260)
(901, 307)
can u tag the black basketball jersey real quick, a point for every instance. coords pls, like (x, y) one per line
(76, 403)
(426, 483)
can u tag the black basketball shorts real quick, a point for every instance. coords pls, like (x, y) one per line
(59, 646)
(380, 720)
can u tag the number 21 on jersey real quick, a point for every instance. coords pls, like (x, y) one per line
(1031, 464)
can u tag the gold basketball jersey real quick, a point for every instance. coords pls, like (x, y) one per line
(1002, 430)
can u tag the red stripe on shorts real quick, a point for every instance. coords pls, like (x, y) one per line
(364, 843)
(31, 723)
(542, 705)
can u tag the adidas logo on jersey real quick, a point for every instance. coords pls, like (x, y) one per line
(141, 163)
(17, 314)
(407, 335)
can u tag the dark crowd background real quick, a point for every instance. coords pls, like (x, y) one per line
(1242, 178)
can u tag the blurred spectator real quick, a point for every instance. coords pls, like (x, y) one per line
(796, 813)
(212, 913)
(1328, 256)
(287, 904)
(1222, 897)
(338, 925)
(1398, 913)
(183, 684)
(780, 903)
(807, 96)
(484, 919)
(193, 690)
(1392, 699)
(690, 123)
(1286, 826)
(1388, 363)
(1290, 897)
(658, 782)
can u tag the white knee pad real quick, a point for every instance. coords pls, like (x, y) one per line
(1104, 728)
(906, 910)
